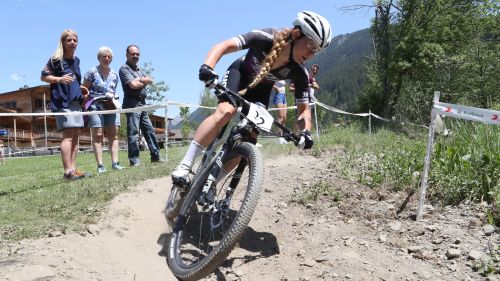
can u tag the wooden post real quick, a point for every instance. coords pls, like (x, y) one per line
(15, 133)
(370, 122)
(427, 162)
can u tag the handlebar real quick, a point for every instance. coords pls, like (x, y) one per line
(234, 98)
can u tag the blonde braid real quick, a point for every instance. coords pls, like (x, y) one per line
(279, 43)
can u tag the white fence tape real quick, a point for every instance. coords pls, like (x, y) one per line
(180, 104)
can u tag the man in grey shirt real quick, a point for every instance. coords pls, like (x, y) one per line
(134, 81)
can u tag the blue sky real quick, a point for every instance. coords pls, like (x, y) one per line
(174, 35)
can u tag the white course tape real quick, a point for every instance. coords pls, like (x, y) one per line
(341, 111)
(468, 113)
(381, 118)
(181, 104)
(128, 110)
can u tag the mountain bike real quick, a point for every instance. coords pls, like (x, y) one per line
(210, 212)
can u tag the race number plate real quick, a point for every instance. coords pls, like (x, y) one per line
(260, 117)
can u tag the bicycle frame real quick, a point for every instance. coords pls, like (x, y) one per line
(242, 132)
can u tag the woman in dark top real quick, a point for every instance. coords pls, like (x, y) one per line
(62, 71)
(272, 55)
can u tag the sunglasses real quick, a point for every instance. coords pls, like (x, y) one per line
(312, 46)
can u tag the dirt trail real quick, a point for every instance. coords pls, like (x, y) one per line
(358, 238)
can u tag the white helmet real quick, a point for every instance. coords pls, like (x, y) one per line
(315, 27)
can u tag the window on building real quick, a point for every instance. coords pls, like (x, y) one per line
(38, 103)
(9, 104)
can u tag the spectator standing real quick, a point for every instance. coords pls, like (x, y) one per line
(62, 71)
(279, 101)
(134, 82)
(313, 85)
(101, 81)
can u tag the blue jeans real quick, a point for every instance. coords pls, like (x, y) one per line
(134, 121)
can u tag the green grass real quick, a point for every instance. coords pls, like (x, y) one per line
(36, 200)
(320, 189)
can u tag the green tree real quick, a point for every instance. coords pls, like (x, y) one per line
(157, 90)
(422, 46)
(209, 100)
(186, 127)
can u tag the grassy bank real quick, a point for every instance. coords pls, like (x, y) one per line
(465, 164)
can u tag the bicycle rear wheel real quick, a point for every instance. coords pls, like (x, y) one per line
(204, 237)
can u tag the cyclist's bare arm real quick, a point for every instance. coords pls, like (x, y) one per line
(304, 118)
(220, 49)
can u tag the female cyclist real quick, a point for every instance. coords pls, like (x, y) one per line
(272, 55)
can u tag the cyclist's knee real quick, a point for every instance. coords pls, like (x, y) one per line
(224, 113)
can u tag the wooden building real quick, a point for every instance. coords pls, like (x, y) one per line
(29, 131)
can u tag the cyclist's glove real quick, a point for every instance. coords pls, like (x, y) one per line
(208, 76)
(306, 140)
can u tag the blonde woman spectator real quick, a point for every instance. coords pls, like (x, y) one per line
(62, 71)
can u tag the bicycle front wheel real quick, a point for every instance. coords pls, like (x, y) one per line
(204, 236)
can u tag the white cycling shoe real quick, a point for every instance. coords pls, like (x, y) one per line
(180, 175)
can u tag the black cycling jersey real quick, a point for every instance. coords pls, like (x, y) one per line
(241, 73)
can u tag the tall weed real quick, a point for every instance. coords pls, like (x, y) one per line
(466, 164)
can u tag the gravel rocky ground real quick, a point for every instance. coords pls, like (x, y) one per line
(354, 235)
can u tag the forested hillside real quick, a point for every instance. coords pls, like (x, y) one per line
(342, 69)
(451, 46)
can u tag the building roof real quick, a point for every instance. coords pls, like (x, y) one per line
(26, 89)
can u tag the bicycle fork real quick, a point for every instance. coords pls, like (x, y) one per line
(208, 198)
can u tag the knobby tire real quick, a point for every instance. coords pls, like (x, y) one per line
(181, 250)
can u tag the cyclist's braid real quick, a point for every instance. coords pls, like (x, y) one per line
(279, 43)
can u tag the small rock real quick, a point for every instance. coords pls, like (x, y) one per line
(488, 229)
(453, 253)
(349, 241)
(92, 229)
(395, 225)
(56, 233)
(415, 249)
(428, 209)
(321, 259)
(437, 241)
(382, 238)
(432, 228)
(474, 255)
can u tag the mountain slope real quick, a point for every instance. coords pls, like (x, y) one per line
(342, 68)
